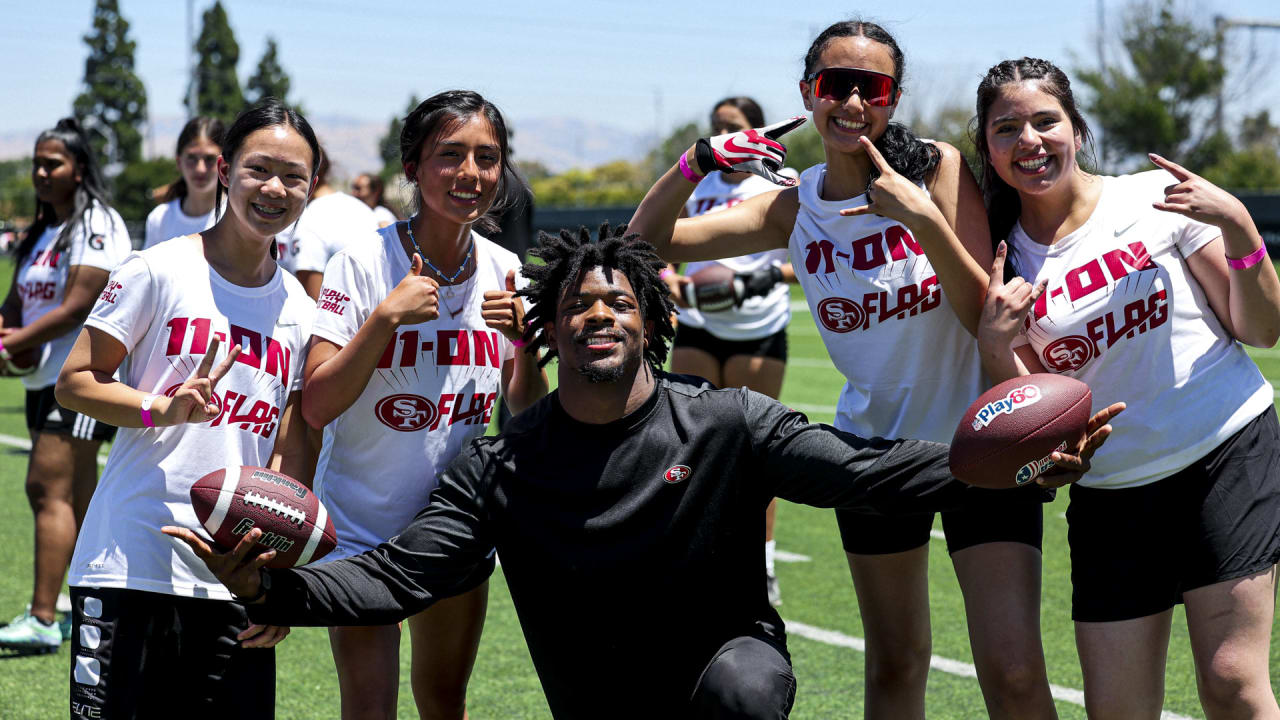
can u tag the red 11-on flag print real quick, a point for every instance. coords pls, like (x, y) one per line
(1007, 435)
(232, 501)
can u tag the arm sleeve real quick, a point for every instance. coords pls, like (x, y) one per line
(819, 465)
(344, 302)
(441, 553)
(127, 306)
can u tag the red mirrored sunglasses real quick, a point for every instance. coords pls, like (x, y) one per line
(838, 83)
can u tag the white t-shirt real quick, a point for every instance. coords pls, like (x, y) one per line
(1123, 314)
(433, 391)
(101, 241)
(384, 216)
(758, 317)
(164, 304)
(167, 221)
(326, 226)
(910, 367)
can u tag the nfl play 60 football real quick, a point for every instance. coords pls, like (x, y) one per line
(1007, 435)
(231, 501)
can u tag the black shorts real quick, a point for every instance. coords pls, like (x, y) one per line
(145, 654)
(1134, 551)
(1016, 516)
(44, 414)
(773, 346)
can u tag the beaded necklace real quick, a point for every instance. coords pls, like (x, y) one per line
(447, 278)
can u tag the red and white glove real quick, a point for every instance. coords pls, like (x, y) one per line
(754, 151)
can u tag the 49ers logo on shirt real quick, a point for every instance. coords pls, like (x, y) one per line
(406, 412)
(677, 474)
(1068, 353)
(840, 315)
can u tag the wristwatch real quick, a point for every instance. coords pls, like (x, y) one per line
(264, 586)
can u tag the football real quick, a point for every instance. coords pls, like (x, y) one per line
(714, 288)
(23, 362)
(1006, 436)
(231, 501)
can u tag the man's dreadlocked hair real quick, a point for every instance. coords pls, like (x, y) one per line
(567, 255)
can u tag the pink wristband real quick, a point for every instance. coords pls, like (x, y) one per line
(1245, 262)
(146, 410)
(519, 342)
(687, 171)
(666, 273)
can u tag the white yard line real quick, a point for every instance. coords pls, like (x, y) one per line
(25, 444)
(946, 665)
(784, 556)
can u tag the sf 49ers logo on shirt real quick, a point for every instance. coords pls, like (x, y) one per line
(677, 474)
(840, 315)
(406, 412)
(1068, 353)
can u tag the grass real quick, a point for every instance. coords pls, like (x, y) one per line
(503, 685)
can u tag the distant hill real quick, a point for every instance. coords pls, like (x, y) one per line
(558, 143)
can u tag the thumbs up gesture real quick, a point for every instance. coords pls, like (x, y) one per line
(415, 299)
(503, 311)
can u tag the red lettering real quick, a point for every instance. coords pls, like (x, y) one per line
(177, 335)
(1117, 259)
(1085, 279)
(868, 253)
(446, 401)
(486, 347)
(277, 360)
(899, 241)
(448, 354)
(250, 344)
(816, 253)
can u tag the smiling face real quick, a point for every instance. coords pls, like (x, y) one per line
(54, 173)
(268, 180)
(1031, 141)
(198, 163)
(457, 172)
(599, 332)
(841, 123)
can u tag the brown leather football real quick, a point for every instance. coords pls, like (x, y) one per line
(1006, 436)
(231, 501)
(714, 288)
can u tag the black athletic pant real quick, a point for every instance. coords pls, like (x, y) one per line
(749, 678)
(141, 655)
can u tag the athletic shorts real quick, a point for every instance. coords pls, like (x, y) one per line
(1134, 551)
(772, 346)
(44, 414)
(1016, 516)
(151, 655)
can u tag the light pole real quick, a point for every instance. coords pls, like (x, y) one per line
(1221, 25)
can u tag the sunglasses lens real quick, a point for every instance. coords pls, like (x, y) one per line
(839, 83)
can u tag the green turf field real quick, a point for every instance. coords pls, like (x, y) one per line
(817, 594)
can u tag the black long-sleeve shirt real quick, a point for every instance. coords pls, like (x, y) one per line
(632, 550)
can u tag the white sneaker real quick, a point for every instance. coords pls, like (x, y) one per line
(29, 635)
(64, 603)
(775, 593)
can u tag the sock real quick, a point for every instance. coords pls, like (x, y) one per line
(769, 547)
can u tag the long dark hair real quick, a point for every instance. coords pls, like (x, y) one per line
(267, 112)
(90, 196)
(750, 110)
(435, 114)
(1003, 204)
(200, 126)
(905, 153)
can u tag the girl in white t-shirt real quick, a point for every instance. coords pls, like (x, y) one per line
(187, 205)
(1143, 286)
(878, 236)
(62, 265)
(154, 629)
(416, 333)
(745, 345)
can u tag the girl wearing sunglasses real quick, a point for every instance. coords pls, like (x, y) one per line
(1183, 506)
(876, 235)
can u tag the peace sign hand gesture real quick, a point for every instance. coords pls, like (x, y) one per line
(1007, 304)
(754, 151)
(193, 401)
(1199, 199)
(891, 195)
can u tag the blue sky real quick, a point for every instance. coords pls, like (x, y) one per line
(640, 66)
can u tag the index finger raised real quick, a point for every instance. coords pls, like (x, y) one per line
(225, 366)
(206, 362)
(997, 266)
(875, 155)
(1174, 168)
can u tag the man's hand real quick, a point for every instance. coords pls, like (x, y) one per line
(1070, 468)
(238, 570)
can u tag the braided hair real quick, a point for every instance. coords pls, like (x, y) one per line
(1003, 204)
(567, 255)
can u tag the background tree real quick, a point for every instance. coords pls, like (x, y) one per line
(134, 190)
(218, 91)
(389, 144)
(113, 105)
(1255, 164)
(270, 79)
(1160, 96)
(17, 195)
(668, 150)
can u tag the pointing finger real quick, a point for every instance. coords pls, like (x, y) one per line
(206, 362)
(779, 129)
(875, 155)
(997, 267)
(1174, 168)
(861, 210)
(1039, 290)
(225, 366)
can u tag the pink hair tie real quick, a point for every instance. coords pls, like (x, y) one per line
(1249, 260)
(666, 273)
(687, 171)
